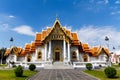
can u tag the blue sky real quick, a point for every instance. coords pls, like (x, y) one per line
(91, 19)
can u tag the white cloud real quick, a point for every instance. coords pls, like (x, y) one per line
(68, 27)
(4, 27)
(95, 35)
(24, 29)
(117, 2)
(106, 1)
(11, 16)
(114, 13)
(103, 2)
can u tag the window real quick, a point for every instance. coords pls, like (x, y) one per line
(39, 55)
(74, 56)
(29, 58)
(85, 57)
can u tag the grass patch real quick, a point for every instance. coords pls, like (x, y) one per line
(3, 65)
(9, 75)
(101, 75)
(115, 66)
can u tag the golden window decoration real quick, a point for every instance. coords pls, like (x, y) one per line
(74, 56)
(39, 55)
(85, 58)
(29, 58)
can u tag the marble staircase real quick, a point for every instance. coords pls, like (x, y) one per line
(58, 65)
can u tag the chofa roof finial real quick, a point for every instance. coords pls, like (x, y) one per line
(56, 16)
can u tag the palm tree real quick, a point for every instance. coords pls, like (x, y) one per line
(2, 52)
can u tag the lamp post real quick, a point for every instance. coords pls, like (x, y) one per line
(107, 40)
(11, 40)
(108, 60)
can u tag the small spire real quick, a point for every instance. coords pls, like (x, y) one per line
(56, 16)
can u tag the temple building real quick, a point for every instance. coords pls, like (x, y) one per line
(56, 44)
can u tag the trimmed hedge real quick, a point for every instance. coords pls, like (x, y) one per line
(89, 66)
(110, 72)
(18, 71)
(32, 67)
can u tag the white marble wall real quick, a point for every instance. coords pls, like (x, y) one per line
(75, 48)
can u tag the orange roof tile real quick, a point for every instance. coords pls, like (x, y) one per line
(27, 48)
(7, 52)
(86, 48)
(22, 52)
(38, 39)
(44, 34)
(97, 50)
(74, 36)
(48, 30)
(68, 32)
(106, 49)
(33, 47)
(19, 49)
(38, 36)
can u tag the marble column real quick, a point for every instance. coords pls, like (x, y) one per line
(46, 52)
(64, 50)
(68, 45)
(49, 53)
(78, 55)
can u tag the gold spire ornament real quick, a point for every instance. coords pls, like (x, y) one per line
(56, 16)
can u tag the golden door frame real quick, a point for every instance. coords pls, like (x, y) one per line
(57, 49)
(74, 54)
(29, 57)
(85, 57)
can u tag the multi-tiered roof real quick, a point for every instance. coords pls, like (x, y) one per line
(41, 37)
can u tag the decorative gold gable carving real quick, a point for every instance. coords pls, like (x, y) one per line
(57, 33)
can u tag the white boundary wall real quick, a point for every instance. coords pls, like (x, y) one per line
(95, 64)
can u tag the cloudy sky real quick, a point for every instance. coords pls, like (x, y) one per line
(91, 19)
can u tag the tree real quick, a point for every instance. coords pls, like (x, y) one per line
(2, 57)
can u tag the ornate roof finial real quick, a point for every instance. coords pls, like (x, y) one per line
(56, 16)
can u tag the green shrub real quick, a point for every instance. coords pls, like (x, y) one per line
(89, 66)
(119, 64)
(18, 71)
(32, 67)
(110, 72)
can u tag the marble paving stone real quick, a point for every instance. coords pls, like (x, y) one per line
(61, 74)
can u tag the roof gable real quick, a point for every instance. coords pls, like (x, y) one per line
(96, 51)
(57, 33)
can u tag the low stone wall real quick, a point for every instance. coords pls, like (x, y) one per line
(95, 64)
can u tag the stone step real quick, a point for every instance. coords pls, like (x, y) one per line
(58, 65)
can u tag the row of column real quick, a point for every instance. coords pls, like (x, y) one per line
(67, 56)
(48, 56)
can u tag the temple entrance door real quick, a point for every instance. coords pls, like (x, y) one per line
(57, 56)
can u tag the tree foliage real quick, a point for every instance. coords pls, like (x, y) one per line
(110, 72)
(32, 67)
(89, 66)
(2, 52)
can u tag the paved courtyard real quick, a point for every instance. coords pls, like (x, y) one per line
(61, 74)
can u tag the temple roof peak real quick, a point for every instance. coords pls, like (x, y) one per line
(56, 16)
